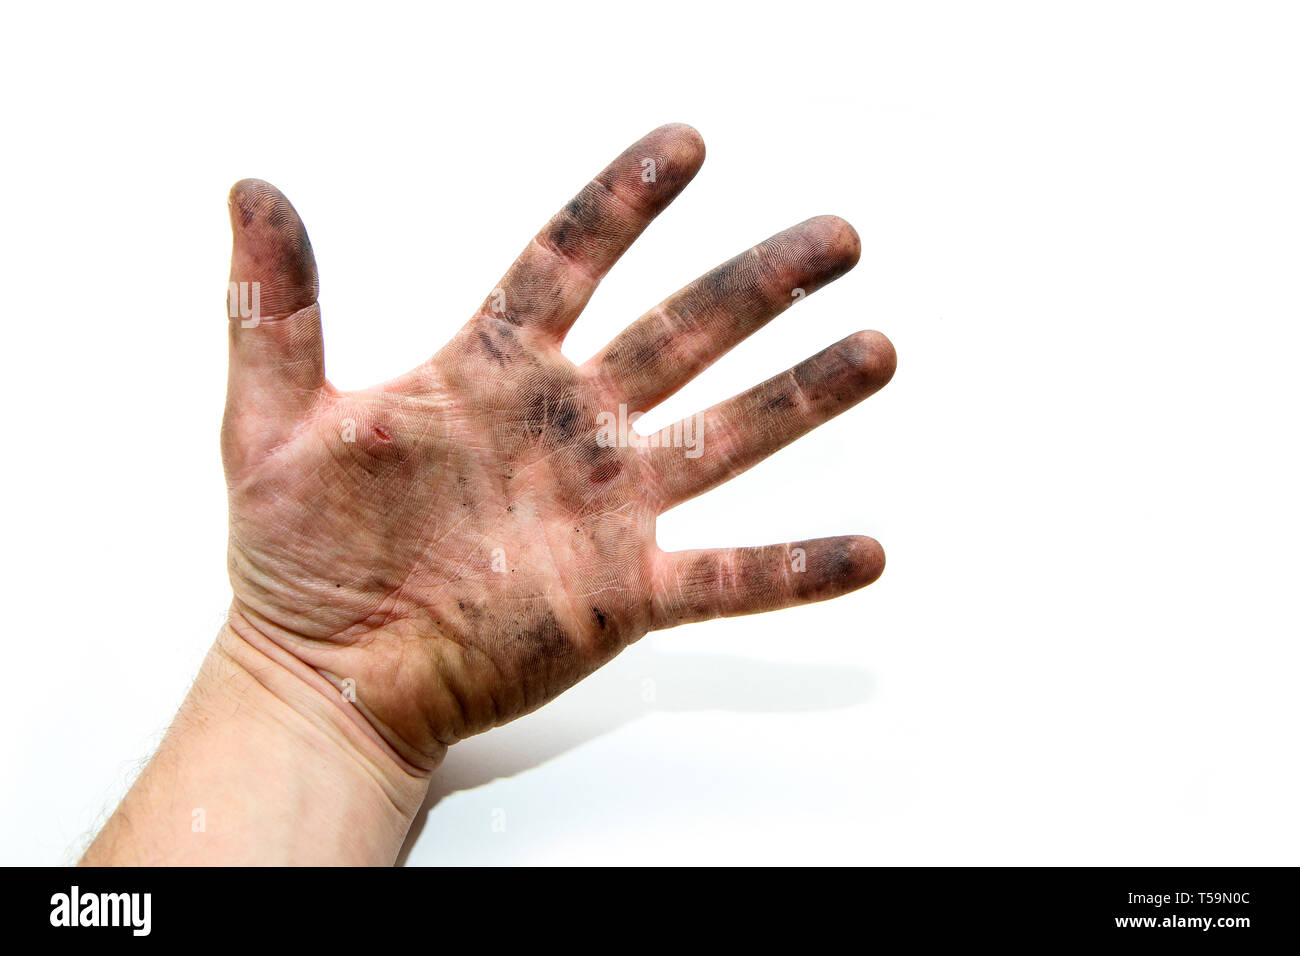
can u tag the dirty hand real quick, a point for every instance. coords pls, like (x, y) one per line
(456, 547)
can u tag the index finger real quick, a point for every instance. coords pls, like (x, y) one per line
(551, 281)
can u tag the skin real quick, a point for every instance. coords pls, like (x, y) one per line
(428, 559)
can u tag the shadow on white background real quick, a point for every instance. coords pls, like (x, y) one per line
(641, 681)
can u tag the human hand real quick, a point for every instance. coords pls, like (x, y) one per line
(456, 547)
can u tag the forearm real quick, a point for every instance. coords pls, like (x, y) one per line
(264, 764)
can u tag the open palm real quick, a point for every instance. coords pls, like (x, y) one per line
(456, 547)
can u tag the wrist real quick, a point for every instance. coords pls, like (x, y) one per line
(264, 764)
(306, 692)
(319, 715)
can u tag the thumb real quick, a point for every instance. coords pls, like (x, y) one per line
(277, 356)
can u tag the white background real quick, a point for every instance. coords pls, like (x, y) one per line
(1079, 227)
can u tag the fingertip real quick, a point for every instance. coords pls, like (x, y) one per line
(837, 566)
(853, 561)
(258, 207)
(680, 152)
(818, 251)
(841, 239)
(688, 140)
(247, 197)
(271, 247)
(647, 176)
(249, 185)
(870, 561)
(873, 358)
